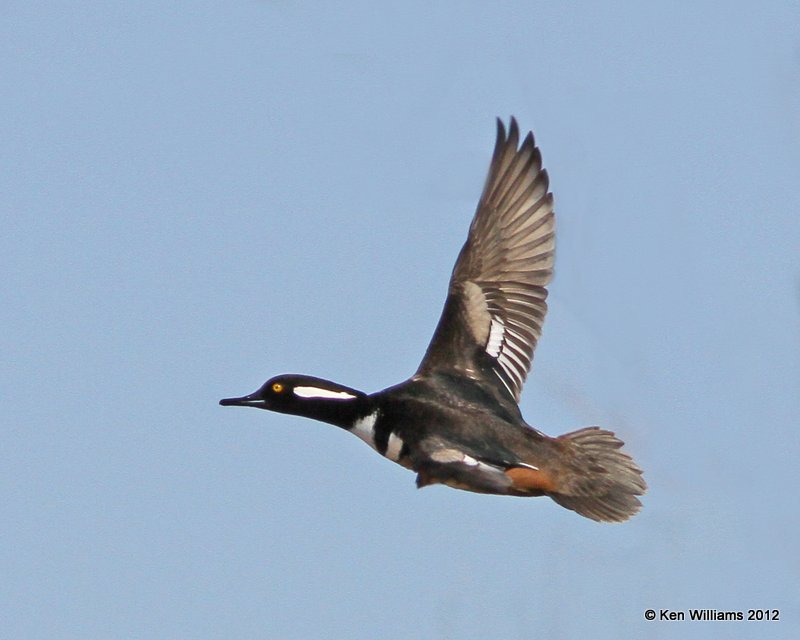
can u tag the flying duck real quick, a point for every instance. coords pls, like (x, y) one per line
(457, 421)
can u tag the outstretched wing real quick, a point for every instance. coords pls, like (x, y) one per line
(495, 307)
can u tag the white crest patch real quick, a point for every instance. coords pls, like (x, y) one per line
(393, 448)
(364, 428)
(318, 392)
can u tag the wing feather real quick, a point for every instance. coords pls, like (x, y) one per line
(496, 301)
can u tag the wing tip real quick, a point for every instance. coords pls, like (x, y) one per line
(513, 131)
(501, 134)
(513, 134)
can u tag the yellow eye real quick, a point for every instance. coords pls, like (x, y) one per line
(277, 387)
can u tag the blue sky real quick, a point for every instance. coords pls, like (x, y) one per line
(196, 196)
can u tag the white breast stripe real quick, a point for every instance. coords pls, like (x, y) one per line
(317, 392)
(365, 428)
(394, 447)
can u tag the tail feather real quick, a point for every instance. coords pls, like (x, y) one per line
(598, 480)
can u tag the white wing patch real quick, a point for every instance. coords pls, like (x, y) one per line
(496, 332)
(470, 461)
(515, 323)
(454, 456)
(507, 346)
(318, 392)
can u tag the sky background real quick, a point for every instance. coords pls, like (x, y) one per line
(196, 196)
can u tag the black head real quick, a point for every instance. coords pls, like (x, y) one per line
(306, 396)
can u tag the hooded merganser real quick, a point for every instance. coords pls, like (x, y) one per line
(456, 421)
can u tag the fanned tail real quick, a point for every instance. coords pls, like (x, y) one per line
(598, 480)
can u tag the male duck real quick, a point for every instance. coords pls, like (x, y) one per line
(456, 420)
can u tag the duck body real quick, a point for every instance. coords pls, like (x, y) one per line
(457, 420)
(451, 409)
(455, 433)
